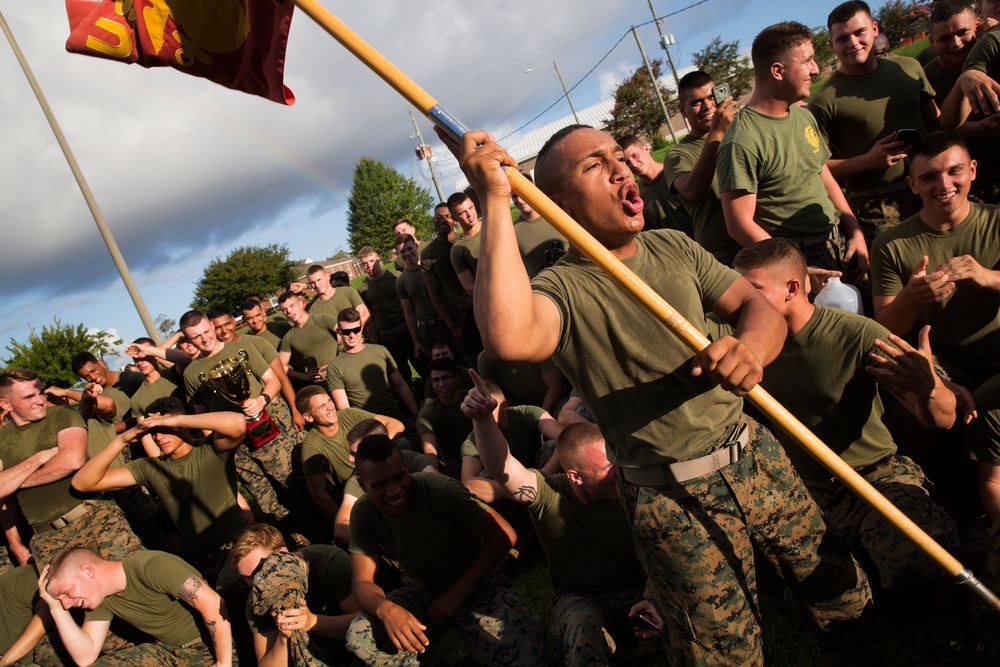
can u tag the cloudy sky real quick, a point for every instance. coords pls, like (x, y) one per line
(185, 170)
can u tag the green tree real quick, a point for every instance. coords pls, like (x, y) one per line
(247, 270)
(898, 20)
(380, 195)
(722, 60)
(636, 110)
(822, 51)
(165, 326)
(49, 353)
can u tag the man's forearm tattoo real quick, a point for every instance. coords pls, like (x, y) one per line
(525, 494)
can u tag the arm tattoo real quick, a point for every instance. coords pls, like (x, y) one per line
(525, 494)
(210, 626)
(189, 590)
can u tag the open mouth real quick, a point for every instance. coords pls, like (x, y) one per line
(631, 201)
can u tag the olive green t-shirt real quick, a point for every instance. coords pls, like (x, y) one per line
(632, 373)
(707, 221)
(435, 259)
(410, 285)
(198, 493)
(273, 332)
(100, 433)
(856, 110)
(153, 580)
(449, 426)
(522, 382)
(364, 376)
(267, 351)
(18, 591)
(589, 547)
(465, 253)
(414, 463)
(985, 57)
(968, 322)
(121, 392)
(47, 501)
(522, 435)
(330, 456)
(328, 581)
(780, 160)
(941, 80)
(382, 301)
(661, 208)
(820, 378)
(982, 434)
(534, 237)
(434, 541)
(313, 344)
(343, 297)
(170, 383)
(197, 393)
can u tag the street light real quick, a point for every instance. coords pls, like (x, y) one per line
(559, 74)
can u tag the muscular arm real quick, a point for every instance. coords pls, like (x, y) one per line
(229, 428)
(339, 397)
(342, 521)
(12, 478)
(468, 281)
(97, 474)
(403, 628)
(484, 488)
(739, 207)
(553, 388)
(392, 425)
(436, 296)
(200, 596)
(403, 391)
(321, 497)
(72, 444)
(428, 443)
(410, 317)
(989, 488)
(25, 643)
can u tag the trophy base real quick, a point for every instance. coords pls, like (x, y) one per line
(261, 430)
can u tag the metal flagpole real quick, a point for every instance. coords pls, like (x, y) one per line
(102, 225)
(653, 302)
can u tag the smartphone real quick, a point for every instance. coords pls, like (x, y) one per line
(909, 135)
(720, 93)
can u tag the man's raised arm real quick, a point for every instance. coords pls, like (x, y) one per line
(515, 324)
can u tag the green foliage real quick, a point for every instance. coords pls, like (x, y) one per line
(898, 20)
(821, 48)
(636, 110)
(381, 195)
(722, 60)
(49, 353)
(165, 326)
(247, 270)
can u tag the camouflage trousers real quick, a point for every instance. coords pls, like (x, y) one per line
(103, 528)
(154, 654)
(901, 564)
(695, 541)
(595, 630)
(492, 623)
(265, 471)
(878, 212)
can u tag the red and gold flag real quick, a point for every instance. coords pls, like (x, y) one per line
(239, 44)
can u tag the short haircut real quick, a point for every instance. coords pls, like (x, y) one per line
(260, 535)
(845, 11)
(629, 140)
(933, 144)
(10, 376)
(215, 312)
(367, 250)
(305, 396)
(575, 438)
(69, 558)
(942, 10)
(315, 268)
(442, 344)
(167, 405)
(375, 448)
(774, 42)
(401, 221)
(250, 303)
(143, 340)
(544, 172)
(443, 204)
(191, 318)
(771, 252)
(457, 199)
(445, 364)
(340, 279)
(81, 359)
(402, 239)
(348, 315)
(289, 294)
(692, 80)
(365, 428)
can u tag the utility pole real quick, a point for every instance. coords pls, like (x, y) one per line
(665, 42)
(571, 107)
(656, 86)
(424, 151)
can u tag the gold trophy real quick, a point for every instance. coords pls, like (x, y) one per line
(230, 379)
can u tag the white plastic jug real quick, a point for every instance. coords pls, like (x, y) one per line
(840, 295)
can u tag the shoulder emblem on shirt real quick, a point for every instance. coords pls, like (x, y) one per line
(812, 137)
